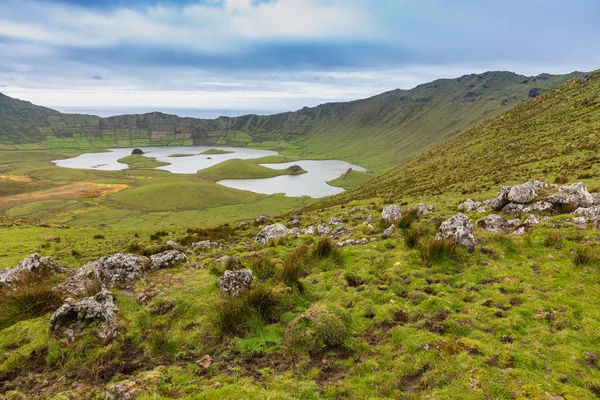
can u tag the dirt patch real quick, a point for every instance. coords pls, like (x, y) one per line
(94, 190)
(16, 178)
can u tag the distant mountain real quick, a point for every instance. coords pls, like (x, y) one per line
(555, 137)
(378, 133)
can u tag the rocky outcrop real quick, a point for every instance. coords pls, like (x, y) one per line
(524, 193)
(261, 219)
(72, 319)
(33, 265)
(391, 213)
(354, 242)
(271, 232)
(424, 209)
(575, 195)
(309, 230)
(123, 391)
(531, 220)
(459, 229)
(205, 244)
(469, 205)
(494, 223)
(235, 283)
(120, 270)
(168, 259)
(323, 230)
(83, 283)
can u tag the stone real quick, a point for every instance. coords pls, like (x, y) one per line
(539, 207)
(33, 265)
(293, 223)
(323, 230)
(82, 284)
(335, 221)
(515, 210)
(531, 220)
(424, 209)
(137, 152)
(493, 223)
(596, 197)
(388, 232)
(514, 223)
(271, 232)
(524, 193)
(483, 209)
(168, 259)
(261, 218)
(391, 213)
(581, 222)
(205, 362)
(309, 230)
(205, 244)
(174, 245)
(520, 231)
(235, 283)
(72, 319)
(590, 212)
(243, 225)
(369, 220)
(120, 270)
(123, 391)
(460, 229)
(575, 195)
(469, 205)
(501, 199)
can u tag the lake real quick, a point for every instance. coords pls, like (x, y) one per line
(313, 183)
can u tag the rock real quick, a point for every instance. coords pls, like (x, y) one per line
(120, 270)
(293, 223)
(174, 245)
(310, 230)
(520, 231)
(261, 218)
(323, 230)
(460, 229)
(271, 232)
(235, 283)
(388, 232)
(501, 199)
(524, 193)
(295, 169)
(243, 225)
(493, 223)
(590, 212)
(515, 210)
(162, 309)
(596, 197)
(205, 362)
(168, 259)
(123, 391)
(581, 222)
(83, 283)
(335, 221)
(391, 213)
(33, 265)
(514, 223)
(137, 152)
(483, 209)
(469, 205)
(369, 220)
(539, 207)
(71, 319)
(575, 195)
(424, 209)
(339, 231)
(531, 220)
(205, 244)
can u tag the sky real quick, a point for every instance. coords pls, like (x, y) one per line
(228, 57)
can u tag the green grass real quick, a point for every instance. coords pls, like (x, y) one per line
(240, 169)
(138, 161)
(215, 151)
(181, 155)
(352, 179)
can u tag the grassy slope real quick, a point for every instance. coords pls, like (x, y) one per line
(351, 180)
(555, 134)
(215, 151)
(240, 169)
(136, 161)
(377, 133)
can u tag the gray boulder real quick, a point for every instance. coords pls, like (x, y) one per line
(235, 283)
(501, 199)
(460, 229)
(391, 213)
(388, 232)
(323, 230)
(493, 223)
(523, 194)
(596, 197)
(369, 220)
(575, 195)
(121, 270)
(539, 207)
(123, 391)
(531, 220)
(33, 265)
(590, 212)
(515, 210)
(309, 230)
(469, 205)
(520, 231)
(271, 232)
(83, 283)
(168, 259)
(581, 222)
(205, 244)
(72, 319)
(261, 218)
(335, 221)
(424, 209)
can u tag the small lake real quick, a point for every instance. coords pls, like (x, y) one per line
(313, 183)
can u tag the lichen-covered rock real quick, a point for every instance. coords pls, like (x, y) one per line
(515, 210)
(72, 319)
(32, 265)
(205, 244)
(424, 209)
(581, 222)
(460, 229)
(82, 284)
(235, 283)
(369, 220)
(309, 230)
(514, 223)
(531, 220)
(335, 221)
(261, 218)
(353, 242)
(501, 199)
(596, 197)
(469, 205)
(271, 232)
(493, 223)
(388, 232)
(168, 259)
(539, 207)
(121, 270)
(590, 212)
(523, 194)
(391, 213)
(520, 231)
(323, 230)
(174, 245)
(575, 195)
(123, 391)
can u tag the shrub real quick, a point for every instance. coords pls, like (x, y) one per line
(315, 330)
(264, 302)
(293, 267)
(262, 268)
(325, 248)
(436, 251)
(553, 240)
(583, 255)
(232, 315)
(98, 237)
(413, 236)
(407, 219)
(134, 247)
(29, 298)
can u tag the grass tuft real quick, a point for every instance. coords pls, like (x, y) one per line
(583, 255)
(437, 251)
(325, 248)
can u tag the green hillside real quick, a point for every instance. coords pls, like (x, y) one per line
(377, 133)
(554, 135)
